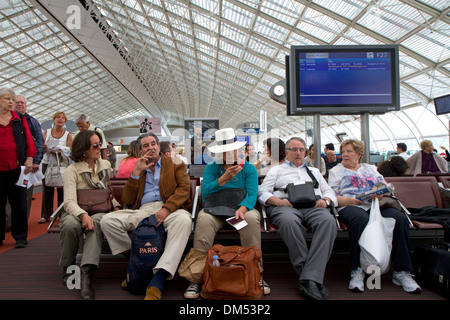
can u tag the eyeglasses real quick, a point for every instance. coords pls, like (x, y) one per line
(296, 149)
(96, 145)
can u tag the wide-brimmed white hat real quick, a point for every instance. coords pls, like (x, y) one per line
(225, 140)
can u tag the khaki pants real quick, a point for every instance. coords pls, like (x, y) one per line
(208, 225)
(117, 224)
(70, 236)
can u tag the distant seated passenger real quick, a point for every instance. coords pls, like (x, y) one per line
(203, 157)
(180, 154)
(331, 161)
(401, 150)
(447, 154)
(127, 164)
(166, 149)
(274, 154)
(394, 167)
(426, 160)
(309, 160)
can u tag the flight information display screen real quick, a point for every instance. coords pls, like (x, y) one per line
(345, 78)
(342, 79)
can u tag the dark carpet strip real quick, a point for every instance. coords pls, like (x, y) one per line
(33, 273)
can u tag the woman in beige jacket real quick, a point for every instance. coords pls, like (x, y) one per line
(88, 171)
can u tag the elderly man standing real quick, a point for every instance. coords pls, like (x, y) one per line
(158, 185)
(36, 131)
(83, 123)
(309, 264)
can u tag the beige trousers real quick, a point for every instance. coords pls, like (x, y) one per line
(116, 225)
(208, 225)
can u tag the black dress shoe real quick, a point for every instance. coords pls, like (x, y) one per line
(310, 289)
(322, 289)
(21, 243)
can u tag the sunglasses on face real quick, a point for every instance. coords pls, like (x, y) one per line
(96, 145)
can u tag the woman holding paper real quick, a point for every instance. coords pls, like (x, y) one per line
(229, 190)
(349, 179)
(17, 149)
(57, 143)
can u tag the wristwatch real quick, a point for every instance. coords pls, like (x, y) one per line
(327, 201)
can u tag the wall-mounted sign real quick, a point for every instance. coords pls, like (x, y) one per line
(150, 125)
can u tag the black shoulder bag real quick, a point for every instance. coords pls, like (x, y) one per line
(302, 195)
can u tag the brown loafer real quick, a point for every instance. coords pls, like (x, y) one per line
(153, 293)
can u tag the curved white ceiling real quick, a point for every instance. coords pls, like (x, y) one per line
(217, 59)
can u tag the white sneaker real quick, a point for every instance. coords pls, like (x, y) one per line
(404, 279)
(357, 280)
(192, 291)
(265, 287)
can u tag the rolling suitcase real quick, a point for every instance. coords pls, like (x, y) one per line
(432, 267)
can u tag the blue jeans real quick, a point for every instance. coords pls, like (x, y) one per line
(357, 218)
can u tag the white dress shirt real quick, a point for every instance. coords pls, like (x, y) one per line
(280, 176)
(404, 155)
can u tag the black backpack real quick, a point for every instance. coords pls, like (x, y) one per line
(147, 246)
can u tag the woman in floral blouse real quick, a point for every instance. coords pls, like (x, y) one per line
(349, 179)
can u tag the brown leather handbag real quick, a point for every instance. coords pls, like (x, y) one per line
(95, 200)
(238, 276)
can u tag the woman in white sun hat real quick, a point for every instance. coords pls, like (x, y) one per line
(229, 189)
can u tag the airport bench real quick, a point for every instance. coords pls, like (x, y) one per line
(414, 192)
(267, 229)
(417, 192)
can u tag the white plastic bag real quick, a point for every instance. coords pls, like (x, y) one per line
(54, 172)
(376, 240)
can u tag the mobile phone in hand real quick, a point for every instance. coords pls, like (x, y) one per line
(240, 162)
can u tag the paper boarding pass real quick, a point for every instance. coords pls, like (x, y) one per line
(237, 223)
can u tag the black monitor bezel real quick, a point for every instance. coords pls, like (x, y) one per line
(294, 106)
(439, 111)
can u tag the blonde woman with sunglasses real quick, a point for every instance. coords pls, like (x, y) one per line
(87, 171)
(53, 138)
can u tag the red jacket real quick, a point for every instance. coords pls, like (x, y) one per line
(9, 146)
